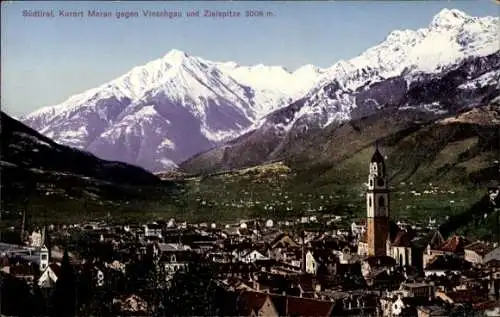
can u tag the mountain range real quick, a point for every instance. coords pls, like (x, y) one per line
(211, 116)
(412, 78)
(162, 113)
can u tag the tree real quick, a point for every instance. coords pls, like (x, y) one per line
(13, 294)
(157, 282)
(193, 292)
(136, 274)
(64, 298)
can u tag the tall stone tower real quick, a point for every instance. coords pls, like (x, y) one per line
(377, 206)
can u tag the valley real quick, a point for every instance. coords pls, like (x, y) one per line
(233, 141)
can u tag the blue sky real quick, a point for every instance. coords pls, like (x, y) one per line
(44, 61)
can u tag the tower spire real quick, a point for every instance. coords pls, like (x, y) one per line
(377, 200)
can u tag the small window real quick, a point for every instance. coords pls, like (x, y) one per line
(381, 201)
(380, 182)
(44, 256)
(369, 202)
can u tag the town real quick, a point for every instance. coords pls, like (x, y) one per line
(374, 266)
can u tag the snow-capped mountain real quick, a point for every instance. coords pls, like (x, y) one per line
(451, 38)
(165, 111)
(447, 67)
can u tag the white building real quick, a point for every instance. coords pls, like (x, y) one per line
(269, 223)
(171, 223)
(37, 238)
(49, 277)
(311, 264)
(153, 230)
(253, 256)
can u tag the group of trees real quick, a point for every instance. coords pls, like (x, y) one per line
(17, 299)
(189, 292)
(192, 292)
(20, 299)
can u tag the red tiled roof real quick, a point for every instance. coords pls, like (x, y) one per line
(468, 296)
(447, 262)
(480, 248)
(55, 268)
(436, 239)
(403, 239)
(306, 307)
(379, 261)
(485, 305)
(454, 244)
(251, 301)
(22, 270)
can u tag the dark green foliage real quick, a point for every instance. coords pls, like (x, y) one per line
(16, 298)
(193, 292)
(64, 298)
(137, 274)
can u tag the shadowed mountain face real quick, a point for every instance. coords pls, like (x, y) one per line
(418, 147)
(24, 148)
(38, 174)
(63, 184)
(393, 109)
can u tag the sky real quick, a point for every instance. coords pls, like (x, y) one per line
(44, 61)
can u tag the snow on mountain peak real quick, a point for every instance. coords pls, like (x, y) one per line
(451, 37)
(449, 18)
(306, 69)
(175, 56)
(231, 64)
(175, 96)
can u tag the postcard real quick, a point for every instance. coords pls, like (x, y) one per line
(250, 158)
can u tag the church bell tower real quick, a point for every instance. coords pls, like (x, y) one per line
(377, 206)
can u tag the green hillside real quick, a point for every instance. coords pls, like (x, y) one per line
(436, 169)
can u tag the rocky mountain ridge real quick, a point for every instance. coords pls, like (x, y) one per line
(161, 114)
(171, 108)
(441, 83)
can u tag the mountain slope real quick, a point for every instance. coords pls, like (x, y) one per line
(63, 183)
(420, 148)
(437, 167)
(403, 75)
(24, 148)
(169, 109)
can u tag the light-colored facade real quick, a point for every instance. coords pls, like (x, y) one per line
(311, 264)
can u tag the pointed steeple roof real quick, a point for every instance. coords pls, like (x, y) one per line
(377, 156)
